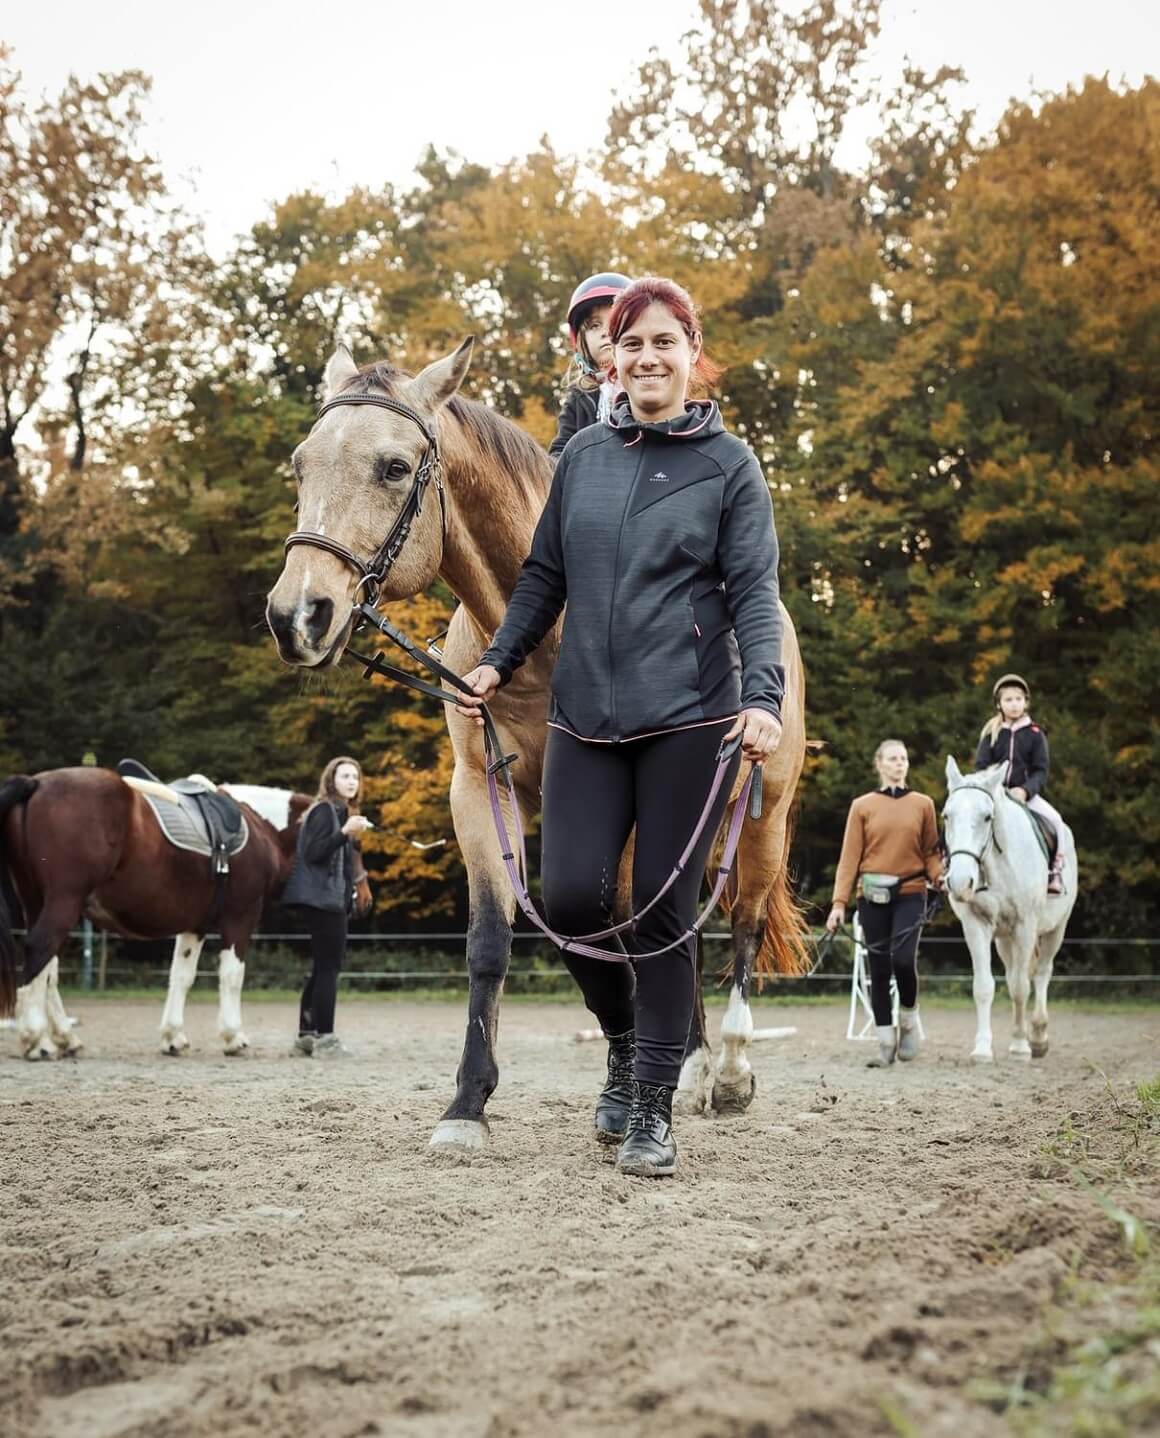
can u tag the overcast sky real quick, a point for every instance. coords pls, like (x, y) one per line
(253, 100)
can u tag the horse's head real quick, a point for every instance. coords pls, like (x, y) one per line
(969, 819)
(367, 475)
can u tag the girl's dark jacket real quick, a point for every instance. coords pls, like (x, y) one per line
(660, 538)
(578, 411)
(1027, 766)
(322, 873)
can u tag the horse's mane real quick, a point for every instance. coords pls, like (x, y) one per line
(516, 453)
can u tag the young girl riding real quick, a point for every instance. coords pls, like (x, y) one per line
(1011, 737)
(590, 391)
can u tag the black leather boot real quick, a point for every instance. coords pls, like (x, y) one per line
(616, 1096)
(649, 1149)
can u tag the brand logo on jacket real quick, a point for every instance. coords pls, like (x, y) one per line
(659, 478)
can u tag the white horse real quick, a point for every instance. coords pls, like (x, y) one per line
(997, 884)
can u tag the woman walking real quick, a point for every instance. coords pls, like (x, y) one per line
(321, 888)
(891, 848)
(658, 532)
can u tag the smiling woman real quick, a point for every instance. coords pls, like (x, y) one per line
(658, 532)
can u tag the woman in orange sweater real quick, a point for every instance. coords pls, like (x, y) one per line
(892, 846)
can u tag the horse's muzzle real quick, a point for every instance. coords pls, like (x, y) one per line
(302, 632)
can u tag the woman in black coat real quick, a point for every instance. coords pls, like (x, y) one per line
(321, 888)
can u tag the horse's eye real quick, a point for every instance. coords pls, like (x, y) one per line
(392, 469)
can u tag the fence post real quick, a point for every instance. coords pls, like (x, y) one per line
(86, 954)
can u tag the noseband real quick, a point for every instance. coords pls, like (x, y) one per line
(373, 571)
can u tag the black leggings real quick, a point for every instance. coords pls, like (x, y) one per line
(891, 933)
(593, 795)
(327, 948)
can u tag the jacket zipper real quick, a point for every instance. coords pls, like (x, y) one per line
(615, 737)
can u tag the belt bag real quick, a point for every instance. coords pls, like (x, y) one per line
(880, 888)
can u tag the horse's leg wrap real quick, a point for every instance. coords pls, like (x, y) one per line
(182, 972)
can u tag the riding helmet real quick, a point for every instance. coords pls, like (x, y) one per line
(596, 289)
(1010, 681)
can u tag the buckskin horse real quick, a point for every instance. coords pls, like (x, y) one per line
(76, 842)
(401, 481)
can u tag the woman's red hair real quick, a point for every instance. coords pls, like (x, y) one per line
(656, 290)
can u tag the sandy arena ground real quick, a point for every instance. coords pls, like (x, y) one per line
(264, 1245)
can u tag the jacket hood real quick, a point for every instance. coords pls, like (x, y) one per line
(701, 418)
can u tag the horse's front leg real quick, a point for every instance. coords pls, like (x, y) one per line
(695, 1086)
(1016, 950)
(735, 1082)
(978, 937)
(489, 945)
(182, 972)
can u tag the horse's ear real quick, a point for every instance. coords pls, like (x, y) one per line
(435, 385)
(340, 368)
(954, 773)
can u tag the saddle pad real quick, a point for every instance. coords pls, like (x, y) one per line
(1045, 833)
(185, 828)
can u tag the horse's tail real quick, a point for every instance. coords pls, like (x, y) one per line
(784, 950)
(14, 791)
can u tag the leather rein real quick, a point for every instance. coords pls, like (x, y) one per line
(371, 574)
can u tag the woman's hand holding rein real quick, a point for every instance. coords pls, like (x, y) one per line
(485, 681)
(760, 734)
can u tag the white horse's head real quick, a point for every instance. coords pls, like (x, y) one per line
(969, 818)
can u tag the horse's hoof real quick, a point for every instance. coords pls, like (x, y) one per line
(459, 1135)
(689, 1102)
(1039, 1050)
(982, 1056)
(236, 1047)
(734, 1097)
(40, 1050)
(174, 1046)
(72, 1049)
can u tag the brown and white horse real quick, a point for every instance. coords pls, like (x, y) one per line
(358, 473)
(77, 842)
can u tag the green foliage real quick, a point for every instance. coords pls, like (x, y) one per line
(946, 364)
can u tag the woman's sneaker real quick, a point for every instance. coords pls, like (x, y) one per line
(649, 1149)
(887, 1047)
(327, 1046)
(303, 1046)
(908, 1035)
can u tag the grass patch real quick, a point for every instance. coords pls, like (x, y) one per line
(1093, 1369)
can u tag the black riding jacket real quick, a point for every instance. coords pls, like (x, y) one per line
(579, 410)
(321, 877)
(660, 537)
(1027, 766)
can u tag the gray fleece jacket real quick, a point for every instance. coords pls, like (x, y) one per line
(660, 540)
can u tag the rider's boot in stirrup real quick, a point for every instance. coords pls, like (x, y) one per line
(649, 1149)
(616, 1096)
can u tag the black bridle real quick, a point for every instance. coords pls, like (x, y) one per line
(373, 571)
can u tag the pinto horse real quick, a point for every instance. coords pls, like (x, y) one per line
(402, 481)
(84, 842)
